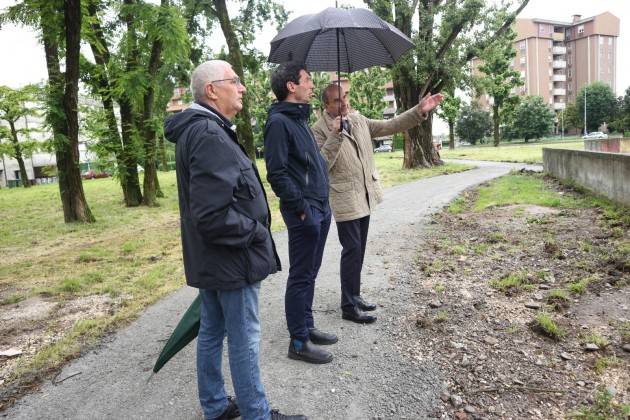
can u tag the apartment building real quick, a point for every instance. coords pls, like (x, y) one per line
(555, 59)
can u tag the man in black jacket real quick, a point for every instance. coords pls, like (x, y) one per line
(226, 241)
(298, 175)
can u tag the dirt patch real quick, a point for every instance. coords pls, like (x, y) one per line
(32, 324)
(482, 280)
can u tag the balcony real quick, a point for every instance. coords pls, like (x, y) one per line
(559, 50)
(559, 105)
(559, 64)
(557, 36)
(559, 92)
(559, 78)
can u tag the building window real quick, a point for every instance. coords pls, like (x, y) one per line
(522, 60)
(610, 40)
(580, 29)
(569, 73)
(521, 45)
(601, 40)
(541, 29)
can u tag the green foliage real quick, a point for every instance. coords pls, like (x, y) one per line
(511, 283)
(572, 118)
(533, 119)
(578, 287)
(473, 124)
(601, 104)
(545, 324)
(621, 122)
(15, 106)
(366, 91)
(604, 408)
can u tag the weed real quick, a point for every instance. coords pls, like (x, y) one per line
(512, 329)
(70, 285)
(579, 287)
(586, 246)
(442, 316)
(596, 339)
(603, 363)
(536, 221)
(14, 298)
(480, 249)
(546, 325)
(457, 206)
(603, 408)
(558, 299)
(458, 250)
(496, 237)
(512, 283)
(440, 288)
(624, 331)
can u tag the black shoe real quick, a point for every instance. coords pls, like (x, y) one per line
(276, 415)
(309, 353)
(363, 305)
(321, 338)
(356, 315)
(231, 412)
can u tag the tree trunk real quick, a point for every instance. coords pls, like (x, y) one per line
(495, 122)
(129, 171)
(18, 155)
(162, 151)
(63, 105)
(158, 190)
(100, 50)
(244, 126)
(451, 135)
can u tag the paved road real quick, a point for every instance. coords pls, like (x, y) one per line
(367, 379)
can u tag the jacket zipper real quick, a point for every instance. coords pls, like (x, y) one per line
(308, 164)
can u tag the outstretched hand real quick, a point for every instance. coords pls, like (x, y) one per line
(429, 102)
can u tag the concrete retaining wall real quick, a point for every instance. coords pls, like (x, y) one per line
(608, 145)
(607, 174)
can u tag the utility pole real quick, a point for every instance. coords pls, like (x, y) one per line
(562, 122)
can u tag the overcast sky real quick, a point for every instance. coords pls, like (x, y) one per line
(23, 56)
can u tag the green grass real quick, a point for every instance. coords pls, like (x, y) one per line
(441, 316)
(522, 189)
(131, 255)
(603, 408)
(506, 152)
(511, 283)
(548, 326)
(578, 287)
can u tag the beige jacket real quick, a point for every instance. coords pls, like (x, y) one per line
(354, 186)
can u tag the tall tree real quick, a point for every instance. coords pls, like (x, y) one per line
(498, 77)
(533, 118)
(601, 105)
(473, 124)
(16, 104)
(449, 111)
(622, 119)
(239, 34)
(366, 91)
(99, 78)
(448, 36)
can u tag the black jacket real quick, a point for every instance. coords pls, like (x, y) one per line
(296, 169)
(224, 213)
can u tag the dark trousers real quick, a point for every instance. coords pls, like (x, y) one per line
(306, 248)
(353, 238)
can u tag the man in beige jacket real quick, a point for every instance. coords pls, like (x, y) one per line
(345, 140)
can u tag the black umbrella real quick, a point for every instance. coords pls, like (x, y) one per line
(339, 39)
(359, 38)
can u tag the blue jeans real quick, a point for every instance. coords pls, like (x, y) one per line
(307, 239)
(233, 313)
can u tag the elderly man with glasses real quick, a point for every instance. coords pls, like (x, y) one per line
(226, 241)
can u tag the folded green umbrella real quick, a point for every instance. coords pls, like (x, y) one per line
(184, 333)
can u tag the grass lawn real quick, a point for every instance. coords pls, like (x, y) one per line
(126, 260)
(506, 152)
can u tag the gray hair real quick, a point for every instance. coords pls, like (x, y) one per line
(203, 74)
(327, 90)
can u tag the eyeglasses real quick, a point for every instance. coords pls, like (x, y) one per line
(234, 80)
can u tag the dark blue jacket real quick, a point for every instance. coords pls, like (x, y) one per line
(224, 213)
(296, 170)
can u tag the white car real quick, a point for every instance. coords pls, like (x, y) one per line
(595, 135)
(383, 148)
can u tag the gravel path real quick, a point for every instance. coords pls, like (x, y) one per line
(367, 379)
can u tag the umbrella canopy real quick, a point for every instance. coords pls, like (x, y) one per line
(339, 40)
(184, 333)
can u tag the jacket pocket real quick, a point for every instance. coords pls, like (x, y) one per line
(342, 197)
(261, 259)
(246, 187)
